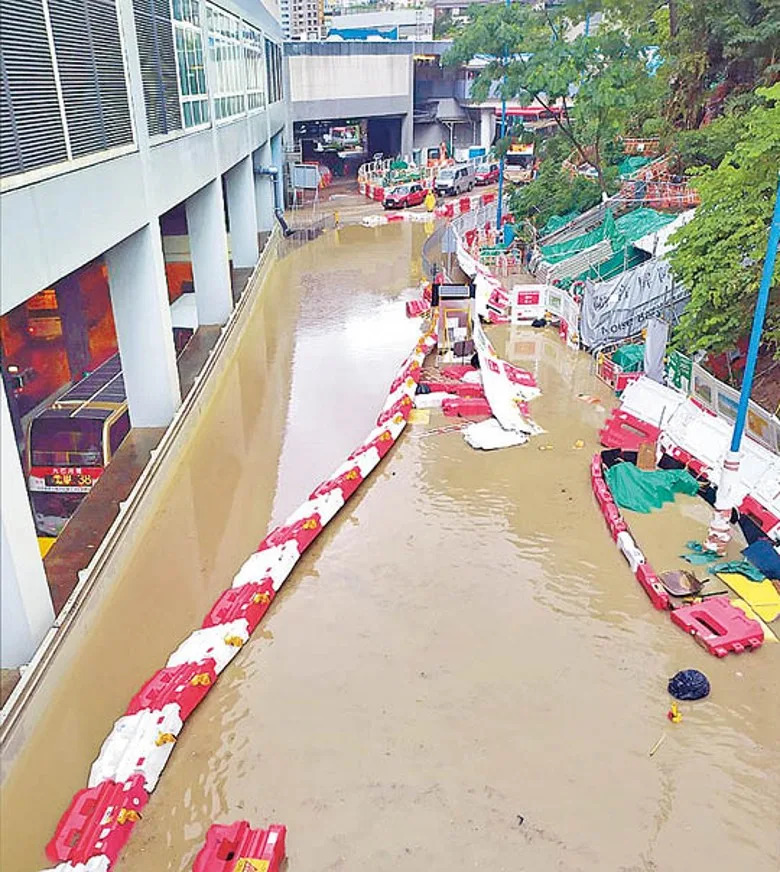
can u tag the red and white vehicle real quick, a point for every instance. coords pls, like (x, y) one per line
(487, 173)
(401, 196)
(70, 443)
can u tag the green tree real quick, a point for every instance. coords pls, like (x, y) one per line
(600, 82)
(719, 254)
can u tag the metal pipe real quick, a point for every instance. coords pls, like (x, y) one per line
(499, 206)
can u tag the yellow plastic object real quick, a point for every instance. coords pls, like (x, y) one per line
(419, 416)
(769, 636)
(761, 596)
(44, 544)
(674, 714)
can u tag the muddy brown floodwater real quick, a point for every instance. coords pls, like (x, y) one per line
(460, 674)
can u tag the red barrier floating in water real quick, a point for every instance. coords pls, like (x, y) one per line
(645, 575)
(623, 430)
(98, 821)
(185, 685)
(238, 848)
(719, 626)
(466, 407)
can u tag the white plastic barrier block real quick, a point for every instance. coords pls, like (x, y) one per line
(94, 864)
(275, 563)
(326, 506)
(140, 743)
(433, 400)
(366, 462)
(630, 550)
(651, 402)
(699, 433)
(221, 642)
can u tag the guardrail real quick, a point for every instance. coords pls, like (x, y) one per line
(154, 477)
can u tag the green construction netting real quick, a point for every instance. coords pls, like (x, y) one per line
(555, 222)
(640, 491)
(626, 229)
(625, 258)
(630, 358)
(631, 164)
(559, 251)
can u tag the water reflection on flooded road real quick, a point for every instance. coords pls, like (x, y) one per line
(461, 672)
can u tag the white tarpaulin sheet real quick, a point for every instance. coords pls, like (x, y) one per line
(621, 307)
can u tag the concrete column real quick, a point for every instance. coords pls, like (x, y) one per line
(277, 154)
(264, 190)
(27, 611)
(209, 253)
(75, 332)
(240, 189)
(407, 135)
(487, 127)
(142, 314)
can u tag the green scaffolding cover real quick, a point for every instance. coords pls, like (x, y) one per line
(555, 222)
(624, 259)
(630, 358)
(631, 164)
(640, 491)
(559, 251)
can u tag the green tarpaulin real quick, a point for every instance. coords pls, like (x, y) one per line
(640, 491)
(631, 164)
(561, 250)
(555, 222)
(630, 358)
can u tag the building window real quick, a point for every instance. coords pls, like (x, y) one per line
(255, 68)
(273, 63)
(158, 65)
(191, 67)
(227, 58)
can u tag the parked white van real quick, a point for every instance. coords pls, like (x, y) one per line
(457, 179)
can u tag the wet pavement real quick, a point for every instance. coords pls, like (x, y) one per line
(460, 673)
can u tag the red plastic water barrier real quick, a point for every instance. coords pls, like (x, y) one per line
(466, 407)
(249, 601)
(383, 443)
(596, 469)
(185, 685)
(98, 821)
(465, 205)
(401, 407)
(719, 626)
(645, 575)
(348, 482)
(626, 431)
(763, 517)
(415, 308)
(304, 532)
(488, 198)
(379, 194)
(237, 847)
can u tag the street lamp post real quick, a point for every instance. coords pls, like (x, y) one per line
(500, 205)
(719, 531)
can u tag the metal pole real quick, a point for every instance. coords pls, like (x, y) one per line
(499, 206)
(719, 532)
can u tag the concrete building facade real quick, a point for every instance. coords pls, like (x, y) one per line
(303, 19)
(114, 112)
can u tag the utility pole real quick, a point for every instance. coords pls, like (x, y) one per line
(719, 532)
(500, 205)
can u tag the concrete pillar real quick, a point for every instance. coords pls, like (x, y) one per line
(240, 190)
(142, 314)
(27, 611)
(264, 190)
(75, 332)
(209, 254)
(277, 155)
(487, 128)
(407, 135)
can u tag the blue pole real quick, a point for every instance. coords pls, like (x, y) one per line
(499, 206)
(758, 323)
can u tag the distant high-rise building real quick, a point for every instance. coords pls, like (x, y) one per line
(303, 19)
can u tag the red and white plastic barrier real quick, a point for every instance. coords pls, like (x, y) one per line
(237, 847)
(99, 820)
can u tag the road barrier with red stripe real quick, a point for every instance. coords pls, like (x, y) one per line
(237, 847)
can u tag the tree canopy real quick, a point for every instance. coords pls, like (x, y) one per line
(719, 255)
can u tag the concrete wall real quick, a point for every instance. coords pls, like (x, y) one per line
(339, 77)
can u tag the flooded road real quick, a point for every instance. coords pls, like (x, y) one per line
(460, 673)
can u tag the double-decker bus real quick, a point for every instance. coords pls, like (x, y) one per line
(71, 442)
